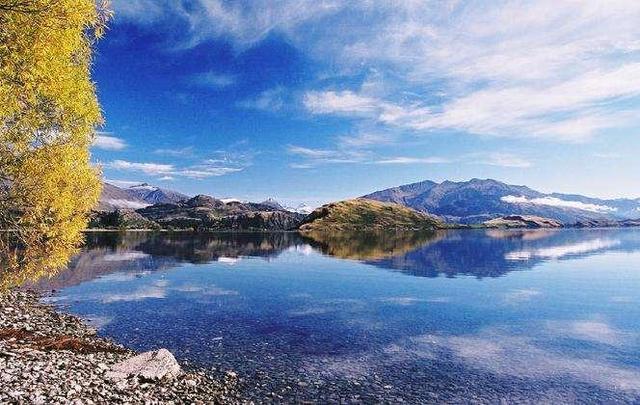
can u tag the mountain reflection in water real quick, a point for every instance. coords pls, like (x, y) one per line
(478, 253)
(493, 315)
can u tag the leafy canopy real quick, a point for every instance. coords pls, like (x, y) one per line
(48, 115)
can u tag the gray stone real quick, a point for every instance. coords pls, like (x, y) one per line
(154, 365)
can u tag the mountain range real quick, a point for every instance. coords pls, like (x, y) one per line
(426, 204)
(148, 207)
(143, 195)
(479, 200)
(136, 196)
(301, 208)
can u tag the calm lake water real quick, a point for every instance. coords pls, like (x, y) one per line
(549, 315)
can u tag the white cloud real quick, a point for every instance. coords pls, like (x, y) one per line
(147, 168)
(562, 71)
(521, 295)
(310, 153)
(607, 155)
(403, 160)
(141, 294)
(505, 160)
(205, 171)
(557, 252)
(202, 170)
(107, 142)
(317, 157)
(525, 358)
(405, 301)
(268, 100)
(123, 183)
(244, 22)
(557, 202)
(214, 80)
(364, 139)
(176, 152)
(348, 154)
(329, 102)
(592, 330)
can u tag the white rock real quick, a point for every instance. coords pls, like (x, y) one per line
(152, 365)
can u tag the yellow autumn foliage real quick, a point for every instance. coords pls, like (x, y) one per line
(48, 115)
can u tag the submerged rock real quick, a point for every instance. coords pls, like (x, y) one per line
(154, 365)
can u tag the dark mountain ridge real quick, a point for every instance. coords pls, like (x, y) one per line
(203, 213)
(478, 200)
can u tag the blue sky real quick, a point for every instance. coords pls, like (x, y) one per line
(312, 101)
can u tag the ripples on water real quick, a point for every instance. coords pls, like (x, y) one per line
(548, 315)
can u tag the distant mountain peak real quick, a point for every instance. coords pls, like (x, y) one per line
(137, 196)
(273, 203)
(301, 208)
(478, 200)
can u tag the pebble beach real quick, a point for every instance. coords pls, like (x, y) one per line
(50, 357)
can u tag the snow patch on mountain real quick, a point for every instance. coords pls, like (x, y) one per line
(231, 200)
(121, 203)
(300, 209)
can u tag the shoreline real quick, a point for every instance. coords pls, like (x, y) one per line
(460, 227)
(47, 356)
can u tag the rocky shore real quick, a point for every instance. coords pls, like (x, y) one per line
(49, 357)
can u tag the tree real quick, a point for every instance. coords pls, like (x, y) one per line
(48, 115)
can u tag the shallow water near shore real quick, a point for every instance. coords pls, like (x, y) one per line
(475, 315)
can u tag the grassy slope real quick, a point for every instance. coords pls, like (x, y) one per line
(367, 215)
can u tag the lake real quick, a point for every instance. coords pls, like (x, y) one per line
(469, 315)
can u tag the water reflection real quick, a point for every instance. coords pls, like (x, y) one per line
(135, 252)
(29, 254)
(493, 253)
(293, 317)
(477, 253)
(370, 245)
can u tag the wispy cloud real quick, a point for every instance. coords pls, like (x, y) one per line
(523, 69)
(199, 163)
(558, 71)
(403, 160)
(521, 295)
(343, 102)
(594, 330)
(147, 168)
(364, 139)
(106, 141)
(202, 170)
(317, 157)
(122, 183)
(500, 159)
(560, 251)
(213, 80)
(606, 155)
(268, 100)
(177, 152)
